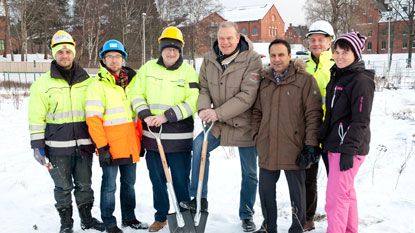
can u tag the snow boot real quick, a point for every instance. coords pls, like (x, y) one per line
(66, 220)
(248, 225)
(114, 229)
(87, 221)
(191, 205)
(135, 224)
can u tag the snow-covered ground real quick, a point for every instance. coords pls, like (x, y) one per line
(385, 205)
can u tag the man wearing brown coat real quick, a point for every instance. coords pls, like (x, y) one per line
(229, 80)
(287, 116)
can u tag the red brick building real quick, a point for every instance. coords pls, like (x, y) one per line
(374, 23)
(261, 23)
(296, 34)
(206, 34)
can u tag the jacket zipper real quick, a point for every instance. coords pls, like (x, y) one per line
(341, 132)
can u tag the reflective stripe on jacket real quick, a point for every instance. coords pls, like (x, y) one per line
(321, 71)
(156, 90)
(110, 118)
(57, 112)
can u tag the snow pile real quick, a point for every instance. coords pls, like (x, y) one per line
(386, 205)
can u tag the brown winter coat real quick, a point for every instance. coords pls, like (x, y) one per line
(287, 116)
(232, 92)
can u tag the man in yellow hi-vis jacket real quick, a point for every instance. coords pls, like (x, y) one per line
(59, 133)
(111, 125)
(320, 36)
(165, 92)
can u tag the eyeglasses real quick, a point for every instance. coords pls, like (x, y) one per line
(113, 57)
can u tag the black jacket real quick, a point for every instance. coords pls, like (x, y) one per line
(348, 105)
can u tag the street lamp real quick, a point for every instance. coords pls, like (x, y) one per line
(144, 37)
(389, 40)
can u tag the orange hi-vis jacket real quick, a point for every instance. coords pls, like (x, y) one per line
(111, 120)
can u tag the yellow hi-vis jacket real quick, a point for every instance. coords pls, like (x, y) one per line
(110, 118)
(57, 112)
(321, 71)
(157, 90)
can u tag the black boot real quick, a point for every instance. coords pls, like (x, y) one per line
(66, 220)
(87, 221)
(191, 205)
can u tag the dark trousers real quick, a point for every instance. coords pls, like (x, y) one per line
(127, 193)
(267, 194)
(311, 187)
(71, 172)
(179, 164)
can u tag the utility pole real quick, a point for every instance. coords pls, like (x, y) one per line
(144, 37)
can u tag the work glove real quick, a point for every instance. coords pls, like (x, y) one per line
(40, 155)
(142, 151)
(104, 155)
(309, 155)
(346, 161)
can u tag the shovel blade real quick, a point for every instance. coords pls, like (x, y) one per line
(200, 228)
(189, 226)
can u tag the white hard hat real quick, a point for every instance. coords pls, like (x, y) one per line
(321, 27)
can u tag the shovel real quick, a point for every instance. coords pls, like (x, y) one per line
(200, 218)
(179, 222)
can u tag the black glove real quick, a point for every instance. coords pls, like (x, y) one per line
(302, 161)
(104, 155)
(142, 151)
(315, 153)
(309, 155)
(346, 161)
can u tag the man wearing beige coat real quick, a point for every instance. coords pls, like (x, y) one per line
(229, 81)
(287, 116)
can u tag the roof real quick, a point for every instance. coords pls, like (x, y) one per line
(246, 13)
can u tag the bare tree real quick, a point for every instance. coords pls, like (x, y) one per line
(24, 12)
(405, 9)
(340, 13)
(7, 44)
(187, 14)
(90, 21)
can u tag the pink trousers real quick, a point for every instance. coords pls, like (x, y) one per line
(341, 203)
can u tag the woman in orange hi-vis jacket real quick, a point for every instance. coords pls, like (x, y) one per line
(116, 135)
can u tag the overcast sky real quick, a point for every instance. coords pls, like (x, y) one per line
(291, 11)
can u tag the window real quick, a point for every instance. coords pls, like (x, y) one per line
(369, 45)
(273, 18)
(384, 32)
(1, 44)
(369, 33)
(413, 44)
(383, 46)
(404, 43)
(244, 31)
(370, 19)
(254, 31)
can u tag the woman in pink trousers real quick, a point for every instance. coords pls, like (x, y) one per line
(345, 132)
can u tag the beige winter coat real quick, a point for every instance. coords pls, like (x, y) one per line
(231, 92)
(287, 116)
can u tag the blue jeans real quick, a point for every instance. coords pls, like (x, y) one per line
(127, 193)
(248, 160)
(179, 164)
